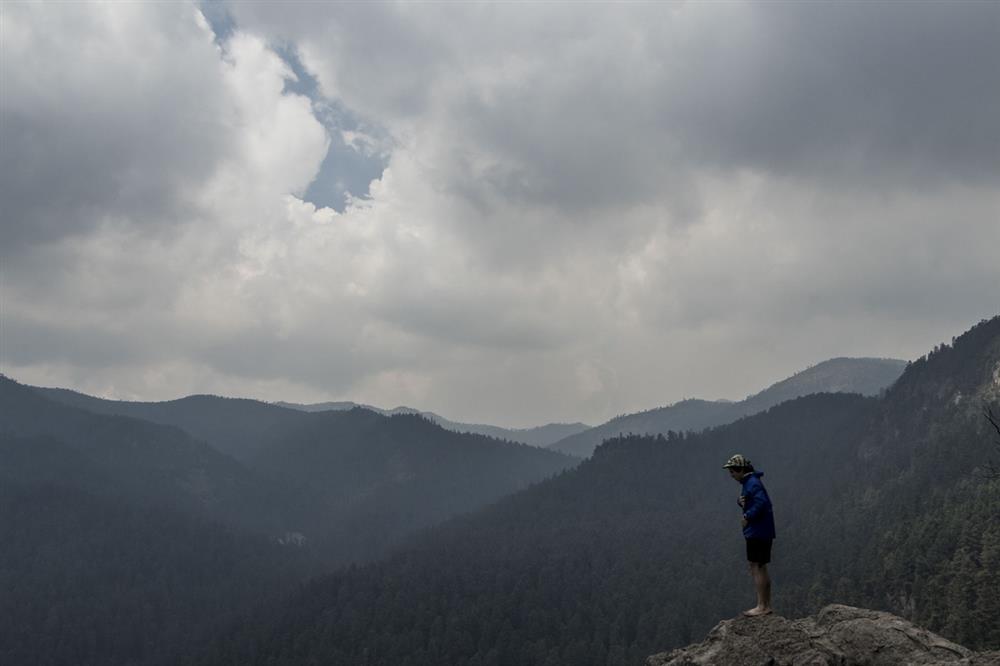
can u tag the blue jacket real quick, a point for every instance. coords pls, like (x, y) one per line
(757, 508)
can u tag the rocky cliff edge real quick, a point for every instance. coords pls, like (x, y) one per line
(837, 635)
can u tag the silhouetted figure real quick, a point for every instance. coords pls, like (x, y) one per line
(758, 528)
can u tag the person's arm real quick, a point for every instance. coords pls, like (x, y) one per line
(756, 502)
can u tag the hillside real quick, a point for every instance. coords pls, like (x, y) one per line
(235, 426)
(122, 540)
(880, 502)
(240, 427)
(867, 376)
(631, 549)
(94, 578)
(135, 460)
(350, 482)
(129, 542)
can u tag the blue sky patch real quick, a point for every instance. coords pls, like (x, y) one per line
(347, 170)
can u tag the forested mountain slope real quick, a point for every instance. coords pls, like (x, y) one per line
(880, 503)
(634, 551)
(351, 482)
(381, 477)
(93, 579)
(124, 541)
(241, 427)
(128, 542)
(135, 460)
(867, 376)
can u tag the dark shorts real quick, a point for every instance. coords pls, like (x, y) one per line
(759, 550)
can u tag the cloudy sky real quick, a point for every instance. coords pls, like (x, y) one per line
(510, 213)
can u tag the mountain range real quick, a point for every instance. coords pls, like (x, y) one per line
(537, 436)
(885, 502)
(125, 540)
(209, 531)
(867, 376)
(239, 427)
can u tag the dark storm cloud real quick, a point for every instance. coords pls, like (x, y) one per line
(116, 133)
(591, 108)
(62, 178)
(865, 95)
(865, 92)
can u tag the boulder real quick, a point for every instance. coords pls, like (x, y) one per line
(836, 636)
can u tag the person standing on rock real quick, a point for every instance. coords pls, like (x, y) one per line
(758, 528)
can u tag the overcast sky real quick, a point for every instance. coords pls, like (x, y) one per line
(506, 213)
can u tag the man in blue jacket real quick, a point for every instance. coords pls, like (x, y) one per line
(758, 528)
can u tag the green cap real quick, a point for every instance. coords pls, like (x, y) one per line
(737, 461)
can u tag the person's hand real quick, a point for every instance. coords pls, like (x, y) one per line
(744, 522)
(742, 501)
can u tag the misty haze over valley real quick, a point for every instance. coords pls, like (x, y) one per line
(436, 334)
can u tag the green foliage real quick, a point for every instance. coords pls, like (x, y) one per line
(867, 376)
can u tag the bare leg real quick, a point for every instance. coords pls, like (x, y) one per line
(762, 584)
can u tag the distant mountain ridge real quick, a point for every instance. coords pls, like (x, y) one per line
(867, 376)
(113, 553)
(128, 457)
(352, 481)
(238, 427)
(538, 436)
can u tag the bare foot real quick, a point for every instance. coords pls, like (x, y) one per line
(757, 612)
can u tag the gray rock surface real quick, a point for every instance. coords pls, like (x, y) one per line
(836, 636)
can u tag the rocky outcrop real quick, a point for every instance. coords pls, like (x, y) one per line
(836, 636)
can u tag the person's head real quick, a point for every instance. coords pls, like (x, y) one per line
(738, 466)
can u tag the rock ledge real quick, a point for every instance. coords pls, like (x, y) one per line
(836, 636)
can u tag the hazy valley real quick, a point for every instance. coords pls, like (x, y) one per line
(128, 525)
